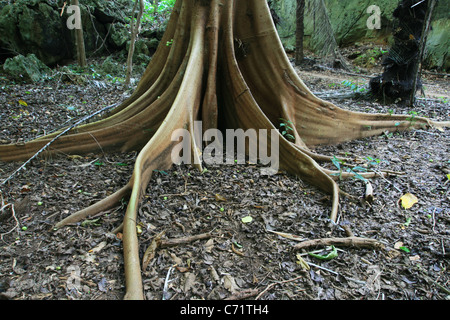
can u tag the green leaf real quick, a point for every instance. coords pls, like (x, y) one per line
(408, 221)
(247, 219)
(332, 254)
(336, 162)
(405, 249)
(290, 136)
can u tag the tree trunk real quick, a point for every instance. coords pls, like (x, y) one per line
(79, 40)
(423, 40)
(134, 32)
(300, 31)
(401, 64)
(226, 67)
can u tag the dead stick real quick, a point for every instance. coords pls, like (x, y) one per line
(244, 294)
(183, 240)
(346, 242)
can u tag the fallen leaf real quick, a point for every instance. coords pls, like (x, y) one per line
(99, 247)
(302, 262)
(414, 258)
(23, 103)
(230, 284)
(189, 281)
(408, 200)
(288, 235)
(219, 197)
(247, 219)
(397, 245)
(151, 250)
(332, 254)
(183, 269)
(209, 245)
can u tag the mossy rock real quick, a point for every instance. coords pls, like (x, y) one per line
(28, 68)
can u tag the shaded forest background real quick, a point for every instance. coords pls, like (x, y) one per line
(38, 27)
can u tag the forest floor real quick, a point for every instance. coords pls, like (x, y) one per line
(238, 258)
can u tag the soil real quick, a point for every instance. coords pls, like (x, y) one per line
(238, 258)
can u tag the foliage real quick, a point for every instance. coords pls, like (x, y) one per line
(372, 163)
(286, 129)
(355, 87)
(156, 12)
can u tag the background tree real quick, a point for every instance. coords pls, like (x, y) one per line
(300, 31)
(134, 29)
(399, 80)
(226, 67)
(79, 41)
(423, 40)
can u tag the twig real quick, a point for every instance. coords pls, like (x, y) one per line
(336, 273)
(183, 240)
(57, 137)
(157, 243)
(274, 284)
(244, 294)
(347, 242)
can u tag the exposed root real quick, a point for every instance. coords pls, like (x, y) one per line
(98, 207)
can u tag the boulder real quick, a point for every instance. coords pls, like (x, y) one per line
(38, 27)
(26, 68)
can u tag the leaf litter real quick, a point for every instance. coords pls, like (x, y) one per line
(241, 255)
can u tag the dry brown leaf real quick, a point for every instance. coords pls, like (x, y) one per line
(151, 250)
(219, 197)
(229, 283)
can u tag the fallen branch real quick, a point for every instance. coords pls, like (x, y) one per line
(346, 242)
(183, 240)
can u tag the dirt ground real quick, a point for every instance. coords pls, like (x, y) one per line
(251, 223)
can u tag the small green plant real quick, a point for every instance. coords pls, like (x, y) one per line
(355, 87)
(413, 114)
(356, 170)
(286, 129)
(443, 99)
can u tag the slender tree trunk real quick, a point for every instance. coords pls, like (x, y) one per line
(79, 40)
(300, 31)
(134, 33)
(423, 42)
